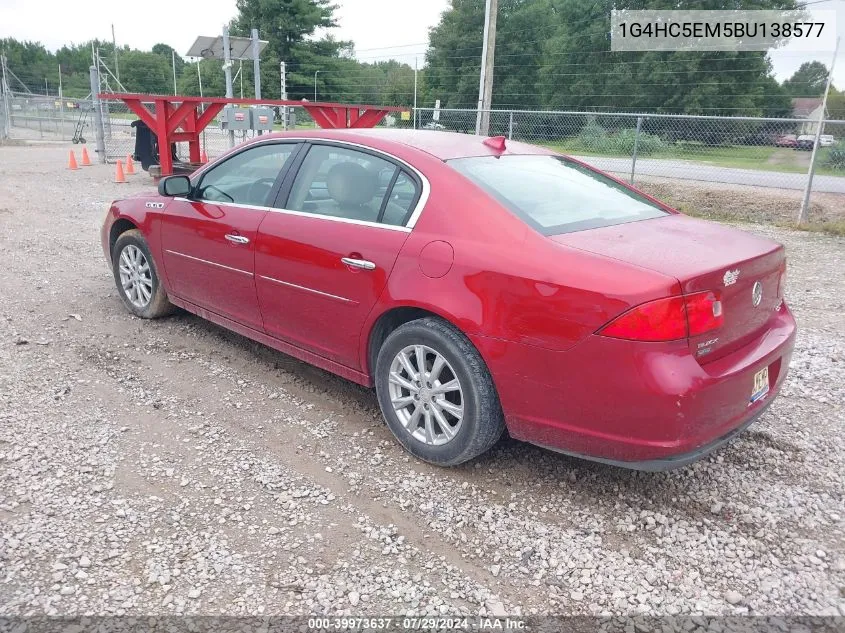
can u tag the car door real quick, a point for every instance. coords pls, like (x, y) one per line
(208, 241)
(324, 256)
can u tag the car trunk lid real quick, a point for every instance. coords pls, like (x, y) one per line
(702, 256)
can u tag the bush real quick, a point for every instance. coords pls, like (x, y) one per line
(648, 143)
(593, 136)
(836, 158)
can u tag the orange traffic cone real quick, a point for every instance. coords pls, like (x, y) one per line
(71, 161)
(86, 162)
(130, 166)
(118, 173)
(203, 157)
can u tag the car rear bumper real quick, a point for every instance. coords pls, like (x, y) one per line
(648, 406)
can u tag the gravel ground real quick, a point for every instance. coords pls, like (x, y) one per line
(171, 467)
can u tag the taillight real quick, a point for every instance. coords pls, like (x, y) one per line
(660, 320)
(704, 312)
(668, 319)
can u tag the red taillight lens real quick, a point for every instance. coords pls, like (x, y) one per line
(669, 319)
(660, 320)
(704, 312)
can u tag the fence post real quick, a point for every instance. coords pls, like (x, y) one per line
(510, 126)
(97, 113)
(636, 147)
(4, 88)
(804, 213)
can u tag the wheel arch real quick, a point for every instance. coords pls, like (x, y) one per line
(391, 318)
(118, 228)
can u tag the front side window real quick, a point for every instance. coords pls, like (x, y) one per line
(247, 177)
(346, 183)
(555, 195)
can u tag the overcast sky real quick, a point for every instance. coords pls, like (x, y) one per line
(379, 28)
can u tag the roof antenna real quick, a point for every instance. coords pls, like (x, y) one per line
(495, 142)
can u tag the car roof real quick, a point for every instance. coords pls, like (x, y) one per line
(442, 145)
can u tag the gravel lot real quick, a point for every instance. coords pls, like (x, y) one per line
(172, 467)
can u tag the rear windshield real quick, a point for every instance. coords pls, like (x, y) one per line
(554, 195)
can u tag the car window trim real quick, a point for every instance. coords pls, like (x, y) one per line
(283, 171)
(415, 208)
(387, 193)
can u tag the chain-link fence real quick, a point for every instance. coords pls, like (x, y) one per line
(32, 116)
(760, 152)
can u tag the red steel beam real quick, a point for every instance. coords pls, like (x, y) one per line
(168, 117)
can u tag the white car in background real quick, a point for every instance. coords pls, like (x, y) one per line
(827, 140)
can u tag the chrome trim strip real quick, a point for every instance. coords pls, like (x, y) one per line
(306, 289)
(412, 220)
(375, 225)
(205, 261)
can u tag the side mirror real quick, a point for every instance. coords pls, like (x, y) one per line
(174, 186)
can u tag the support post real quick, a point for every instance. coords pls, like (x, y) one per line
(4, 88)
(416, 68)
(485, 88)
(510, 126)
(227, 68)
(256, 65)
(173, 62)
(804, 213)
(202, 110)
(283, 94)
(99, 133)
(61, 104)
(636, 147)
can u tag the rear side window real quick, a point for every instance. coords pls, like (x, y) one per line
(554, 195)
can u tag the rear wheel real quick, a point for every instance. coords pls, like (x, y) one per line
(436, 393)
(137, 278)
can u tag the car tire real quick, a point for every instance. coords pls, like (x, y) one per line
(136, 277)
(437, 434)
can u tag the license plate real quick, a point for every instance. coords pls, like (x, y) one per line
(761, 385)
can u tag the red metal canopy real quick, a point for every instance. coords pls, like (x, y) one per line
(177, 119)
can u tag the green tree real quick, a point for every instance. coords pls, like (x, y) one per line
(809, 80)
(146, 72)
(169, 53)
(556, 54)
(290, 26)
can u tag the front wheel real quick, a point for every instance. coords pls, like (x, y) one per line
(436, 393)
(136, 277)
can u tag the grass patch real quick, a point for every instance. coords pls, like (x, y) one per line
(827, 212)
(763, 158)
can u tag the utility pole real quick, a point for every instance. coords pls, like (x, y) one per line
(485, 87)
(804, 213)
(315, 84)
(227, 67)
(256, 64)
(283, 94)
(114, 45)
(173, 61)
(416, 68)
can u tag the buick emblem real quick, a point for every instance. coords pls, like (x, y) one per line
(730, 277)
(757, 293)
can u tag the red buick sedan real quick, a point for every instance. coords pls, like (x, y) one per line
(477, 284)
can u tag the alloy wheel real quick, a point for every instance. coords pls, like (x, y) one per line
(426, 394)
(136, 277)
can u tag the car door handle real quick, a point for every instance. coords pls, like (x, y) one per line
(358, 263)
(237, 239)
